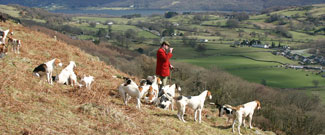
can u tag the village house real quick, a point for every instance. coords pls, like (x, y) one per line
(175, 24)
(296, 67)
(203, 40)
(261, 46)
(110, 23)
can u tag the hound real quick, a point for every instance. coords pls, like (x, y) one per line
(72, 80)
(144, 87)
(130, 89)
(4, 34)
(67, 73)
(3, 50)
(88, 80)
(47, 68)
(167, 98)
(242, 111)
(152, 96)
(195, 102)
(165, 101)
(16, 44)
(226, 110)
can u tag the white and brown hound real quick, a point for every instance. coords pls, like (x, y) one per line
(72, 80)
(242, 111)
(16, 44)
(167, 98)
(226, 110)
(47, 68)
(130, 89)
(67, 74)
(152, 96)
(3, 50)
(194, 102)
(4, 35)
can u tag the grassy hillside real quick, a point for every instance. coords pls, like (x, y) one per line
(31, 106)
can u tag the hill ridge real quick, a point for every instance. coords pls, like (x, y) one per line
(225, 5)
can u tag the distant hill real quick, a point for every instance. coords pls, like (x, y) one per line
(226, 5)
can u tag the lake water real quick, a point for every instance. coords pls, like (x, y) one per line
(143, 12)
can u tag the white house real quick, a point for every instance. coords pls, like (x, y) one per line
(110, 23)
(204, 40)
(296, 67)
(175, 24)
(261, 46)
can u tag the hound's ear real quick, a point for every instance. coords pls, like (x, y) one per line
(143, 82)
(128, 82)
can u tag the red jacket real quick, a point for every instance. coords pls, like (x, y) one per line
(163, 64)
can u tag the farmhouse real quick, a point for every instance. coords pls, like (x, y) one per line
(175, 24)
(110, 23)
(261, 46)
(296, 67)
(203, 40)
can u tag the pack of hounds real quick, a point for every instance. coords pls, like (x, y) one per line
(148, 89)
(15, 43)
(67, 76)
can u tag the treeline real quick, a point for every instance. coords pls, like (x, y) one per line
(303, 22)
(38, 13)
(165, 28)
(283, 111)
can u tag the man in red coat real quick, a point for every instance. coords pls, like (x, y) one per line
(163, 66)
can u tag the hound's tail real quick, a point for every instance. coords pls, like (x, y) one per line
(178, 98)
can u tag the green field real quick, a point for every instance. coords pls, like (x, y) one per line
(9, 10)
(233, 60)
(255, 71)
